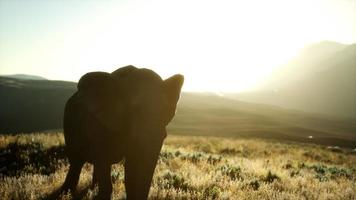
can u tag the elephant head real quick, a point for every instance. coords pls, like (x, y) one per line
(138, 97)
(125, 111)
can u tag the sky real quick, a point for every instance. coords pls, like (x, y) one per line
(219, 46)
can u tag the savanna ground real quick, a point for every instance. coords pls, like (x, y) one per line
(190, 168)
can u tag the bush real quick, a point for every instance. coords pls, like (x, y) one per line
(228, 150)
(212, 192)
(254, 184)
(166, 155)
(193, 157)
(30, 158)
(214, 159)
(234, 172)
(288, 166)
(333, 172)
(294, 173)
(270, 177)
(339, 172)
(172, 180)
(320, 169)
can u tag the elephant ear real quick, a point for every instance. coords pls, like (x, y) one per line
(97, 94)
(172, 89)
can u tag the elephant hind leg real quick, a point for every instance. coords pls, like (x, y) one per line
(72, 177)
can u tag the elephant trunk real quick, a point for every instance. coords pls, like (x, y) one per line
(140, 164)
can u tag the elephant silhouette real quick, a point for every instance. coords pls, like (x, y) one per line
(119, 116)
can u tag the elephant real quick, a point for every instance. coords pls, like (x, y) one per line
(119, 116)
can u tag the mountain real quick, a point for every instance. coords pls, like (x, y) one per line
(321, 80)
(309, 61)
(24, 77)
(32, 105)
(205, 114)
(36, 105)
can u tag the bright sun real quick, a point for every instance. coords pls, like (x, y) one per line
(225, 46)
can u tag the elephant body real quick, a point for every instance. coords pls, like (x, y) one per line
(119, 116)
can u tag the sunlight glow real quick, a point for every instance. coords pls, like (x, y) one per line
(218, 45)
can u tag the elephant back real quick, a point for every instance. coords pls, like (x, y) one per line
(124, 71)
(95, 80)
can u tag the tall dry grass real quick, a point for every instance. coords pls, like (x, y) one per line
(193, 168)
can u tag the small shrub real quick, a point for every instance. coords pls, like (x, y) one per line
(206, 148)
(301, 165)
(266, 153)
(214, 159)
(323, 172)
(172, 180)
(270, 177)
(193, 157)
(234, 172)
(212, 192)
(254, 184)
(228, 150)
(313, 155)
(320, 169)
(31, 158)
(294, 173)
(165, 156)
(288, 166)
(177, 153)
(245, 153)
(321, 177)
(339, 172)
(115, 175)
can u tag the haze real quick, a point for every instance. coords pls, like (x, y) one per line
(220, 46)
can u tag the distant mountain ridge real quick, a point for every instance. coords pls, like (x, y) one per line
(24, 76)
(36, 105)
(32, 105)
(310, 60)
(321, 80)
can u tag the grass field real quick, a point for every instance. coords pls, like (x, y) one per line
(191, 167)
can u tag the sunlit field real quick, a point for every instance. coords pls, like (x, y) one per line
(258, 98)
(190, 168)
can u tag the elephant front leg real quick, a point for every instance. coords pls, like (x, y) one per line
(140, 164)
(72, 177)
(102, 175)
(95, 177)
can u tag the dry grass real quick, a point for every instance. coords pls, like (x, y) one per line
(193, 168)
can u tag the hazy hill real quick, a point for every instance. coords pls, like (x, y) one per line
(32, 105)
(312, 60)
(35, 105)
(201, 114)
(24, 77)
(321, 80)
(308, 61)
